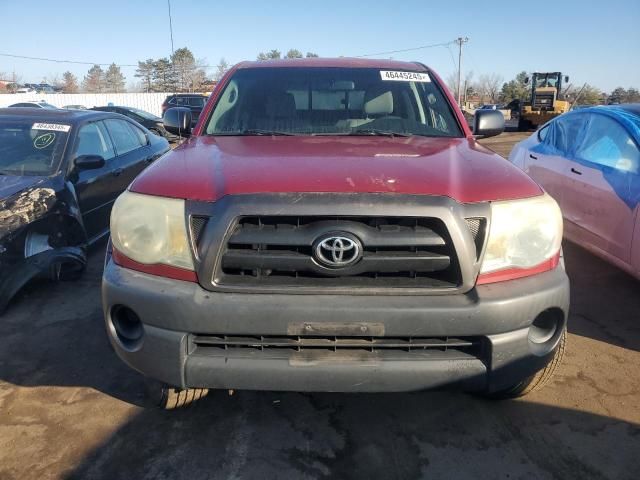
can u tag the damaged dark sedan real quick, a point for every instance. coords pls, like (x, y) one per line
(60, 172)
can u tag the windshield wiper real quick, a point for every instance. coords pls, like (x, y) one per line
(381, 133)
(258, 131)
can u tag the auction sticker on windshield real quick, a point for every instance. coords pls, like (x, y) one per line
(404, 76)
(44, 140)
(56, 127)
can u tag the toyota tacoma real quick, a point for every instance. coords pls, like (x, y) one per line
(333, 225)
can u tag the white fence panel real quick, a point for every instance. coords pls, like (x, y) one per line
(150, 102)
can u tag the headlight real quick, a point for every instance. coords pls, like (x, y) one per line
(151, 230)
(523, 233)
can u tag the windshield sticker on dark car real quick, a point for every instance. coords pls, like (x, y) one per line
(404, 76)
(44, 140)
(57, 127)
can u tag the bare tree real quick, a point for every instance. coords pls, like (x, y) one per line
(13, 81)
(452, 81)
(198, 78)
(221, 69)
(489, 86)
(54, 80)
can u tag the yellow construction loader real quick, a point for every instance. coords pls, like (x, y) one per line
(545, 102)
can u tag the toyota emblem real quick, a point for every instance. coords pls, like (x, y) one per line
(337, 250)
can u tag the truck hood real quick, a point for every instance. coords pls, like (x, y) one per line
(207, 168)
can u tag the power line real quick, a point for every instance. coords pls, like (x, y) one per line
(407, 49)
(78, 62)
(55, 60)
(453, 61)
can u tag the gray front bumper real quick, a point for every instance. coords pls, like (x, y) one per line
(171, 311)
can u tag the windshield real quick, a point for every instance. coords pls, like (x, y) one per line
(28, 148)
(143, 114)
(546, 80)
(332, 101)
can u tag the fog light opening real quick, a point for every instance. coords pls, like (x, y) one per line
(543, 327)
(127, 327)
(545, 330)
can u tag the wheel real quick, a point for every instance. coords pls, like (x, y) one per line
(539, 379)
(170, 398)
(36, 243)
(524, 125)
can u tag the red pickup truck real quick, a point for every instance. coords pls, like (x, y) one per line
(333, 225)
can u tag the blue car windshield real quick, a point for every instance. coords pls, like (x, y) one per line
(31, 148)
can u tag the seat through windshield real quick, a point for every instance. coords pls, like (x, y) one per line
(332, 101)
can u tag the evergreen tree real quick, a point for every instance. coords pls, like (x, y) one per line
(94, 80)
(114, 79)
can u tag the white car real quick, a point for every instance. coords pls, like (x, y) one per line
(40, 104)
(25, 90)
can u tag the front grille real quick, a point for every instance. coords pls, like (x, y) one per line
(371, 344)
(396, 252)
(478, 228)
(544, 100)
(196, 225)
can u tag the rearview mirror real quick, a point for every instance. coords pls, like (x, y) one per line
(177, 120)
(339, 85)
(488, 123)
(88, 162)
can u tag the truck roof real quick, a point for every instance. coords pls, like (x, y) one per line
(343, 62)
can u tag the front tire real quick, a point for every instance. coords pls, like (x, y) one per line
(537, 380)
(524, 125)
(36, 243)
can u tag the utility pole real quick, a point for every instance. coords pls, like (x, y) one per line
(460, 41)
(170, 25)
(173, 66)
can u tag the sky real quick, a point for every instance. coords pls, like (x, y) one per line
(591, 41)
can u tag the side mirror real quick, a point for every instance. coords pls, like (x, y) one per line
(566, 79)
(177, 120)
(488, 123)
(88, 162)
(526, 80)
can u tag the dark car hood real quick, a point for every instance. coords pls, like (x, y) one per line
(207, 168)
(22, 200)
(12, 184)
